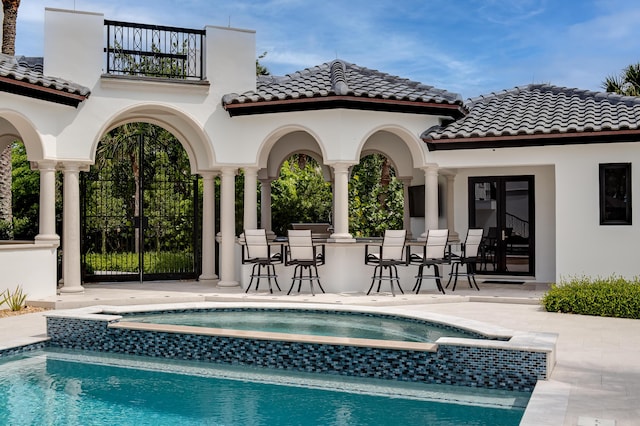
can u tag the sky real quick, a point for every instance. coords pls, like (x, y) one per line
(471, 47)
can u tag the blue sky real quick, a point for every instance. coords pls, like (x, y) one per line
(471, 47)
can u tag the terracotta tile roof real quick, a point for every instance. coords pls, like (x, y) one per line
(24, 76)
(339, 80)
(539, 114)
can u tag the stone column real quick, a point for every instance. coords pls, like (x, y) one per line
(406, 181)
(71, 230)
(265, 205)
(227, 228)
(250, 198)
(453, 235)
(208, 227)
(341, 204)
(430, 199)
(47, 217)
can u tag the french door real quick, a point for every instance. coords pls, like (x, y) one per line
(503, 206)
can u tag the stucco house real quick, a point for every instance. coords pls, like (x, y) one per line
(545, 170)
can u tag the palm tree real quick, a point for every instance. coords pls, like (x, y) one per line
(10, 9)
(627, 83)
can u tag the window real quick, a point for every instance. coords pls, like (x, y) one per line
(615, 194)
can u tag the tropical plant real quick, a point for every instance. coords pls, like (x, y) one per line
(10, 18)
(627, 83)
(10, 9)
(261, 69)
(15, 300)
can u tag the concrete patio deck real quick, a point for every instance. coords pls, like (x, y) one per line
(596, 380)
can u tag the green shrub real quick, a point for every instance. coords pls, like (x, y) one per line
(607, 297)
(154, 262)
(14, 300)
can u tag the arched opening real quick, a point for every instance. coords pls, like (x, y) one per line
(300, 194)
(140, 208)
(19, 184)
(376, 197)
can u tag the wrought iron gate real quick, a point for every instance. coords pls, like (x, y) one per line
(140, 212)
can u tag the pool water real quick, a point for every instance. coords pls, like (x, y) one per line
(73, 388)
(307, 322)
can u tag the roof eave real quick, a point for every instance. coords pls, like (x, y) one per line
(577, 138)
(347, 102)
(49, 94)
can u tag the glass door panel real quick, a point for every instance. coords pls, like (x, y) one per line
(503, 207)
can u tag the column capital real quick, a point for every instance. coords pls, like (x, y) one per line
(229, 171)
(49, 165)
(209, 174)
(266, 180)
(431, 169)
(72, 166)
(341, 167)
(251, 169)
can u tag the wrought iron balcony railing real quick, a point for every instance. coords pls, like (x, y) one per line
(154, 51)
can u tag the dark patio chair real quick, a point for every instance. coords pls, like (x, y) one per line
(302, 253)
(257, 251)
(433, 254)
(389, 256)
(468, 258)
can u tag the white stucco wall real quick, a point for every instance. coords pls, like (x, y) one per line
(584, 247)
(31, 266)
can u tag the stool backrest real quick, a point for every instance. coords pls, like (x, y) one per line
(300, 244)
(436, 244)
(472, 242)
(256, 242)
(393, 244)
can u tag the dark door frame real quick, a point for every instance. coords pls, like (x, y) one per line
(501, 238)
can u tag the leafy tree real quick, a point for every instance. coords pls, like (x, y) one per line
(376, 200)
(299, 195)
(261, 69)
(26, 199)
(627, 83)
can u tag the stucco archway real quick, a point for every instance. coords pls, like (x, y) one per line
(184, 127)
(14, 125)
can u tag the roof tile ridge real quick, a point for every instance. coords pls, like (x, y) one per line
(499, 94)
(338, 75)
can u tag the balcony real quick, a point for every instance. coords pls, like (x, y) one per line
(153, 51)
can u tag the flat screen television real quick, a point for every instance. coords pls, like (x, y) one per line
(416, 201)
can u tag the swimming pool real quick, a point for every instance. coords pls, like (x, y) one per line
(60, 387)
(317, 323)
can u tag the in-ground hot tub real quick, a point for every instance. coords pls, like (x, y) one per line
(493, 358)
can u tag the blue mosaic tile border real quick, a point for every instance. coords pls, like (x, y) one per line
(22, 349)
(494, 368)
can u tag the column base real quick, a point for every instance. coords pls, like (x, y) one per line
(73, 289)
(47, 239)
(208, 279)
(341, 238)
(228, 284)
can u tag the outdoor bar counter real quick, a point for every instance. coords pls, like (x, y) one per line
(344, 270)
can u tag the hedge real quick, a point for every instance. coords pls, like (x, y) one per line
(607, 297)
